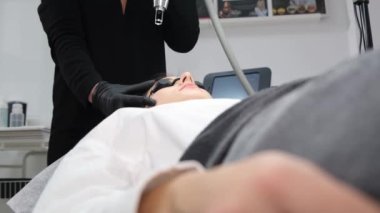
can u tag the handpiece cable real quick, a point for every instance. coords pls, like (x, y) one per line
(226, 47)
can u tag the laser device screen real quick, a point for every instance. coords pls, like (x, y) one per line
(230, 86)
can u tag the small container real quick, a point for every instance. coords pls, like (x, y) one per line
(3, 114)
(10, 107)
(17, 117)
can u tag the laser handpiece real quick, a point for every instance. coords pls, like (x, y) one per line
(161, 6)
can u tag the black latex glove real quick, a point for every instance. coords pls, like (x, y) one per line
(110, 97)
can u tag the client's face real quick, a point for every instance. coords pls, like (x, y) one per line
(175, 89)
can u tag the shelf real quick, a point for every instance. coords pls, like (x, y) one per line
(23, 129)
(24, 138)
(268, 20)
(33, 145)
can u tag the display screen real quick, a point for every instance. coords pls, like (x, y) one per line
(230, 87)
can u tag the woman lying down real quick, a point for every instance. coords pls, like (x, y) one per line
(307, 146)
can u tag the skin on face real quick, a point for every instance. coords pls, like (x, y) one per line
(184, 89)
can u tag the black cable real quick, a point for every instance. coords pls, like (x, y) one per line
(360, 29)
(364, 26)
(368, 25)
(361, 21)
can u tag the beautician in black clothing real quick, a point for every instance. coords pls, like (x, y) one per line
(102, 49)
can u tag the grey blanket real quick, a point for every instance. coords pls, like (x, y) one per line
(332, 120)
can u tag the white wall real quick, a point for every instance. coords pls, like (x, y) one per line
(292, 49)
(26, 69)
(26, 73)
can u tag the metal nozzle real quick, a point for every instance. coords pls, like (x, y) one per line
(160, 6)
(159, 17)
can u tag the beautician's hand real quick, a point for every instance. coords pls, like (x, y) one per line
(109, 97)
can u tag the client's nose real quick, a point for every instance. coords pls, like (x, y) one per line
(186, 77)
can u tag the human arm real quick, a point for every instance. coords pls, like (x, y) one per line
(62, 22)
(181, 25)
(63, 25)
(268, 182)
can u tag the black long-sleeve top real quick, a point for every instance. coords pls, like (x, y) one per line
(91, 40)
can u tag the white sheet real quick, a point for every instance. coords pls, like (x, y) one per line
(107, 170)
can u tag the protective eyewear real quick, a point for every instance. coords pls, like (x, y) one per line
(168, 82)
